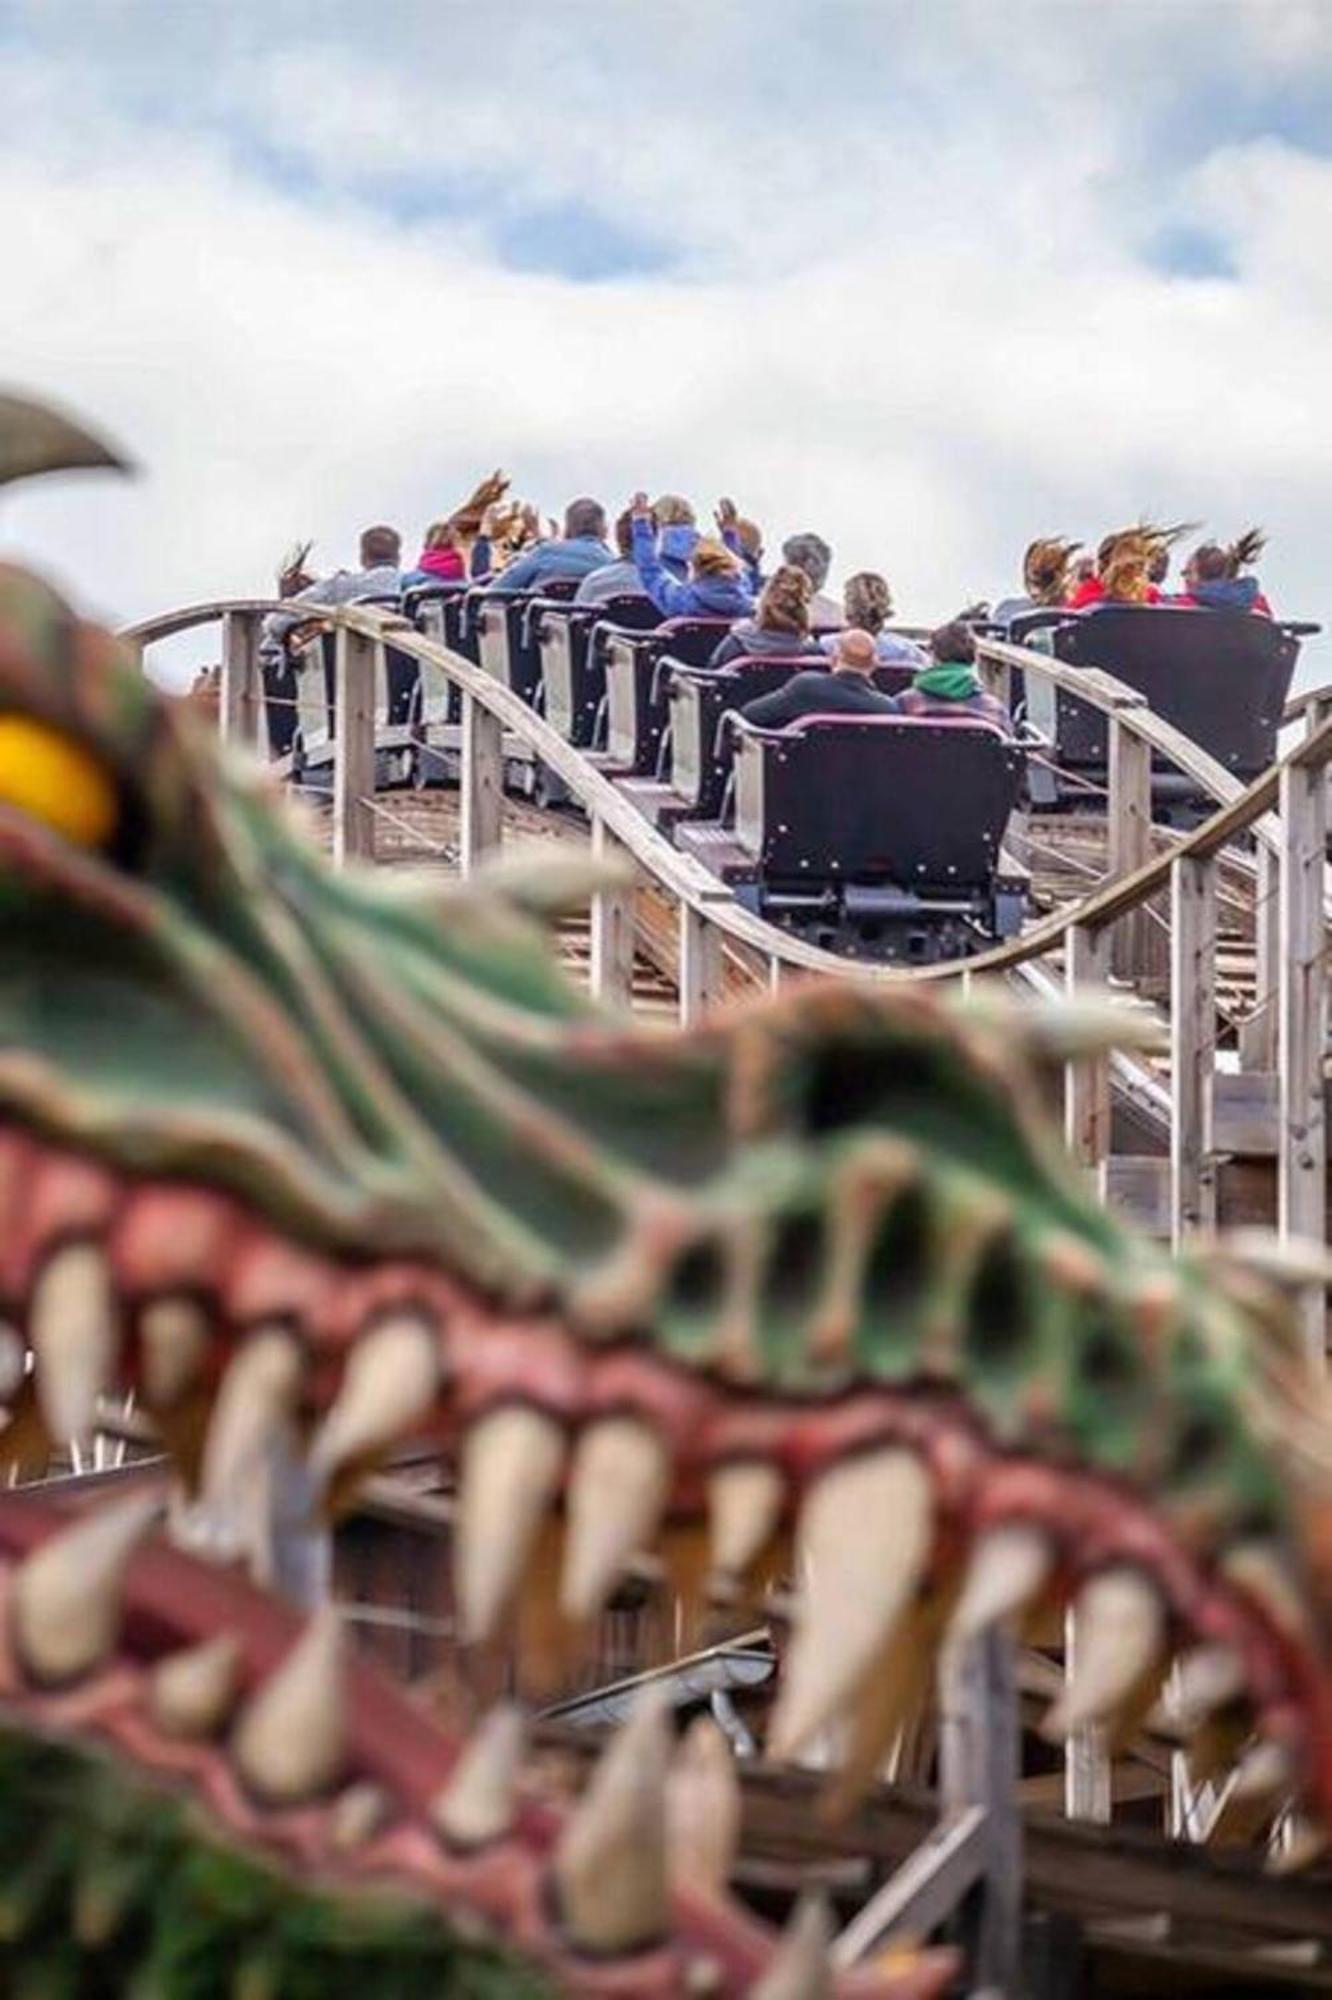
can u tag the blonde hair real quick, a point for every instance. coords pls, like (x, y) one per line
(713, 558)
(867, 601)
(783, 604)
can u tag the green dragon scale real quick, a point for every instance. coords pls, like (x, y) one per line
(288, 1151)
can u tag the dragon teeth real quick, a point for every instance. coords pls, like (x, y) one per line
(357, 1816)
(72, 1325)
(703, 1808)
(291, 1740)
(390, 1380)
(510, 1470)
(744, 1505)
(173, 1347)
(1120, 1634)
(1205, 1680)
(802, 1969)
(1303, 1841)
(67, 1596)
(477, 1804)
(864, 1539)
(1009, 1568)
(617, 1489)
(255, 1406)
(192, 1693)
(610, 1864)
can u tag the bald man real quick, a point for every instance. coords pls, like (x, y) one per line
(843, 688)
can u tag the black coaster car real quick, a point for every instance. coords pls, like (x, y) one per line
(1220, 677)
(880, 835)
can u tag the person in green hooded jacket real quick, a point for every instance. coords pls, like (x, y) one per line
(950, 684)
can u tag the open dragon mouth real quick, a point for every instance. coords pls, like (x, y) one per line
(312, 1159)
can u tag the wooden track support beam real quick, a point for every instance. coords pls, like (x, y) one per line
(359, 662)
(1193, 884)
(1302, 1025)
(241, 716)
(612, 928)
(481, 806)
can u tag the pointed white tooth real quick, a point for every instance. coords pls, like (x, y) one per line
(67, 1595)
(291, 1740)
(13, 1364)
(1209, 1678)
(864, 1540)
(1265, 1772)
(703, 1807)
(255, 1405)
(510, 1469)
(192, 1693)
(802, 1969)
(610, 1864)
(1120, 1633)
(357, 1816)
(173, 1347)
(477, 1804)
(72, 1325)
(389, 1382)
(1009, 1568)
(744, 1506)
(617, 1489)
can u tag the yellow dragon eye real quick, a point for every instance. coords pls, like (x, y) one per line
(56, 780)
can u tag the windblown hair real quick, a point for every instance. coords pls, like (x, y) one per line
(441, 535)
(1210, 562)
(713, 558)
(1046, 569)
(867, 602)
(292, 575)
(783, 604)
(1124, 558)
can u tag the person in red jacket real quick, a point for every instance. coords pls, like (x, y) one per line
(1124, 563)
(1212, 580)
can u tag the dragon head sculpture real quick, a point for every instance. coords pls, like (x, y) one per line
(285, 1148)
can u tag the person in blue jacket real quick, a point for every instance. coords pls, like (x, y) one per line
(581, 549)
(715, 587)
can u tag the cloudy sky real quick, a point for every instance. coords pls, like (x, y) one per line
(931, 278)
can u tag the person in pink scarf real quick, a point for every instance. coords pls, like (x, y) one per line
(441, 560)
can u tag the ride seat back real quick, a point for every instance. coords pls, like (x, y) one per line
(636, 693)
(915, 800)
(1220, 677)
(570, 639)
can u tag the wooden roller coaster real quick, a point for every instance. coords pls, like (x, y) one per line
(1133, 1875)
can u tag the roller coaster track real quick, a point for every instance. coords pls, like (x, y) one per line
(1224, 930)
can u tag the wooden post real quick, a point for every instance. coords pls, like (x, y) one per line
(482, 801)
(241, 717)
(1087, 1790)
(1087, 1083)
(979, 1764)
(1192, 1045)
(612, 929)
(1258, 1035)
(700, 964)
(1129, 843)
(1302, 1026)
(354, 747)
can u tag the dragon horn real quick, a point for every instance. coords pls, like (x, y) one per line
(35, 438)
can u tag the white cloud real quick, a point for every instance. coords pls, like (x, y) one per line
(907, 303)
